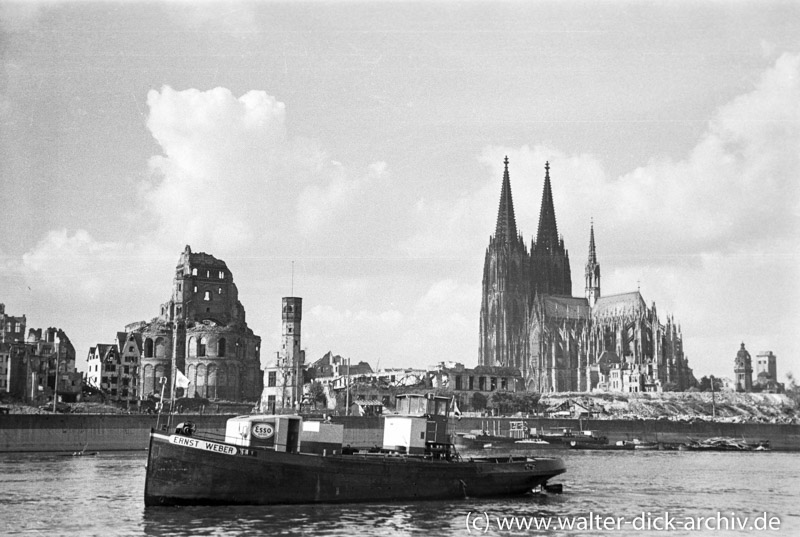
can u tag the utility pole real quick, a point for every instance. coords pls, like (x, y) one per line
(55, 383)
(347, 390)
(713, 400)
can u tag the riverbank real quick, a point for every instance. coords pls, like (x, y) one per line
(111, 432)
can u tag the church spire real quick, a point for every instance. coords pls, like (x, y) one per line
(547, 236)
(592, 271)
(506, 230)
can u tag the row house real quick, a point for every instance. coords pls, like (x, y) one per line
(113, 368)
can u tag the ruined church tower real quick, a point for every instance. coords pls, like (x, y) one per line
(550, 272)
(506, 289)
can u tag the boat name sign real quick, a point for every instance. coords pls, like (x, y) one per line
(202, 444)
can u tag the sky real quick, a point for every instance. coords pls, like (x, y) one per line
(351, 154)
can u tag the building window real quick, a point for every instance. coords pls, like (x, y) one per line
(219, 291)
(271, 379)
(201, 347)
(207, 296)
(180, 287)
(221, 346)
(194, 272)
(221, 275)
(481, 384)
(208, 274)
(493, 386)
(458, 382)
(471, 383)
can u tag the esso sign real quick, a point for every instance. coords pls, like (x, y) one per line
(263, 430)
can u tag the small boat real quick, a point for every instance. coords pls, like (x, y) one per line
(619, 446)
(281, 459)
(566, 435)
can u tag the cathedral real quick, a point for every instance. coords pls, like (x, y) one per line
(530, 321)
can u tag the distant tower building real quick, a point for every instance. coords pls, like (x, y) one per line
(766, 363)
(283, 376)
(592, 272)
(743, 370)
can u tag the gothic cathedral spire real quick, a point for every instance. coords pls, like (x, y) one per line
(506, 230)
(549, 260)
(592, 272)
(547, 237)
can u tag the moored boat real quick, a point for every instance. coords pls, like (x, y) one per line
(269, 459)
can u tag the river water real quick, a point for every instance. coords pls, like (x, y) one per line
(605, 492)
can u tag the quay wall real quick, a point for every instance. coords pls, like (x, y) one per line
(784, 437)
(91, 432)
(109, 432)
(368, 432)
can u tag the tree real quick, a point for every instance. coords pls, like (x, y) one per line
(705, 384)
(793, 389)
(478, 401)
(502, 401)
(317, 392)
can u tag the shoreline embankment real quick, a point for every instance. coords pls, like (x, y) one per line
(121, 432)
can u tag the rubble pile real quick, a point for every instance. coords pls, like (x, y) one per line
(684, 406)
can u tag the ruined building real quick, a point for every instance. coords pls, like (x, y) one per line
(202, 332)
(530, 321)
(38, 367)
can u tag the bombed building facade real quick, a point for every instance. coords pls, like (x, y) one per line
(530, 321)
(201, 333)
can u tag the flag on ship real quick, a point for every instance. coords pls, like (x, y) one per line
(456, 411)
(181, 380)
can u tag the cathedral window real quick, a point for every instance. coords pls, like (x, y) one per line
(221, 347)
(201, 347)
(148, 348)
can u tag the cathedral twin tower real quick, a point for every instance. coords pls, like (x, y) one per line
(530, 321)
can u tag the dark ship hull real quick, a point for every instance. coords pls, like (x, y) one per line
(191, 471)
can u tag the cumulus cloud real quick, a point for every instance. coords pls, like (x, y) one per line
(728, 191)
(231, 178)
